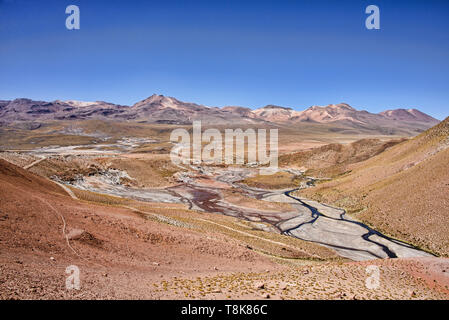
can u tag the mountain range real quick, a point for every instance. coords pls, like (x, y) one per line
(169, 110)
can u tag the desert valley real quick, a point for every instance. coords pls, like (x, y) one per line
(92, 185)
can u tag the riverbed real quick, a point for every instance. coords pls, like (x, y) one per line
(308, 220)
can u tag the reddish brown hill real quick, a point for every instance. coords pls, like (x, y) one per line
(408, 115)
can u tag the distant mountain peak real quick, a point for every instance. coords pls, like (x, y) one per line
(163, 101)
(344, 106)
(407, 115)
(77, 103)
(153, 98)
(272, 106)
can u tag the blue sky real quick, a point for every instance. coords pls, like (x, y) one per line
(248, 53)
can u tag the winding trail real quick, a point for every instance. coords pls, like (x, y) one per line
(34, 163)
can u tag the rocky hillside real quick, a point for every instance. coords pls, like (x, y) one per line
(403, 191)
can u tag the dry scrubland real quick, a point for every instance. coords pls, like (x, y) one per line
(278, 180)
(328, 161)
(404, 191)
(156, 171)
(130, 249)
(121, 241)
(401, 279)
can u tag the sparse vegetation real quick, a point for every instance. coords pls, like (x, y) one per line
(279, 180)
(402, 191)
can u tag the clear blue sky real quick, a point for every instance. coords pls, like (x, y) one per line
(248, 53)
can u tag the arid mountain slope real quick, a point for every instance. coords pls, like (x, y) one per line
(128, 255)
(334, 159)
(404, 191)
(120, 254)
(331, 113)
(29, 110)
